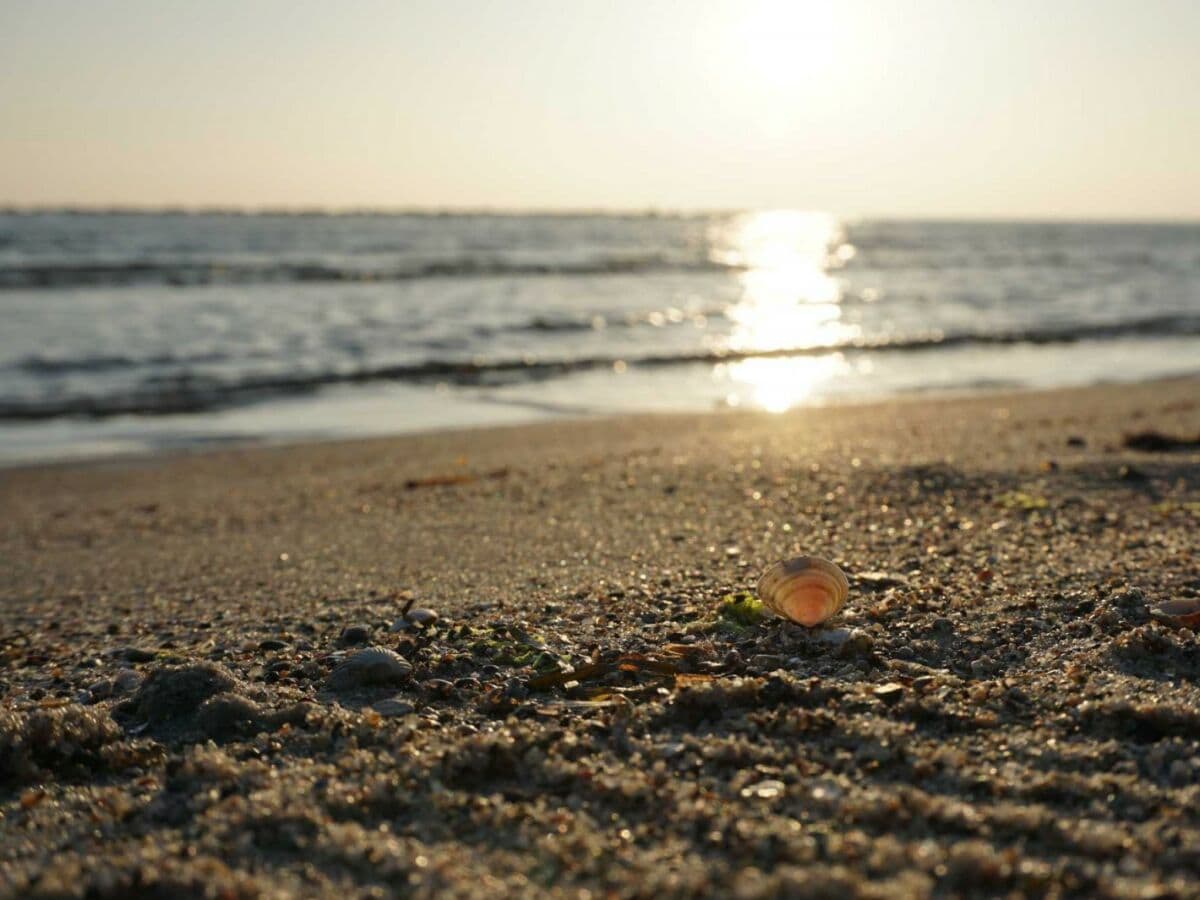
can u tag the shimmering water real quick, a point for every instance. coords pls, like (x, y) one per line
(141, 331)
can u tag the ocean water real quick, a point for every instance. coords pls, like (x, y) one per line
(132, 332)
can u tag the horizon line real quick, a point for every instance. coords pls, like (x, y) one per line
(483, 210)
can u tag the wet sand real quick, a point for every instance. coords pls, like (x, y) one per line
(994, 712)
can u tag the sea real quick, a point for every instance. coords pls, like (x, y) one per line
(143, 332)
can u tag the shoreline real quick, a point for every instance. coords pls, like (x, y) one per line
(201, 443)
(995, 711)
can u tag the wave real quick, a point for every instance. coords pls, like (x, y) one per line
(192, 392)
(96, 365)
(184, 273)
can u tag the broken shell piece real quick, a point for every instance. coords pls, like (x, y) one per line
(375, 665)
(1182, 613)
(806, 589)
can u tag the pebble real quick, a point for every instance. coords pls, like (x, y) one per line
(272, 644)
(138, 655)
(879, 580)
(890, 693)
(835, 637)
(393, 707)
(439, 687)
(516, 689)
(416, 618)
(125, 681)
(767, 663)
(227, 715)
(764, 790)
(354, 634)
(827, 791)
(942, 625)
(857, 643)
(100, 689)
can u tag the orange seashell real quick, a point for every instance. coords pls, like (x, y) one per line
(1183, 613)
(806, 589)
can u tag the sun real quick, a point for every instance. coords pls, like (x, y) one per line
(785, 44)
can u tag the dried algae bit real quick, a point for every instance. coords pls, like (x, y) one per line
(805, 589)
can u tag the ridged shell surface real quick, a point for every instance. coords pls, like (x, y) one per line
(375, 665)
(805, 589)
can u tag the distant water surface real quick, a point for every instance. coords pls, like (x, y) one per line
(126, 332)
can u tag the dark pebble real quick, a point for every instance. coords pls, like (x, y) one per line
(354, 634)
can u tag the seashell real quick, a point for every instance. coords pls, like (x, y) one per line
(806, 589)
(375, 665)
(416, 618)
(1182, 613)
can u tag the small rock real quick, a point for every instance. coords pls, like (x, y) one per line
(878, 581)
(890, 693)
(767, 663)
(228, 715)
(416, 618)
(1076, 441)
(126, 680)
(272, 644)
(854, 644)
(764, 790)
(942, 625)
(438, 687)
(353, 635)
(827, 791)
(138, 655)
(835, 637)
(982, 667)
(393, 707)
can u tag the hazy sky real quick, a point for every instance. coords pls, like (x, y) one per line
(1061, 108)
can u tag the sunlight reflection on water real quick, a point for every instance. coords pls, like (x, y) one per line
(789, 300)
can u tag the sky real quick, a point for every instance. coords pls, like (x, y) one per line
(988, 108)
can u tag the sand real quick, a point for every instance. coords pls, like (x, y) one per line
(995, 711)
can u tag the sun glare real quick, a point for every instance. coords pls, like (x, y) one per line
(785, 43)
(789, 301)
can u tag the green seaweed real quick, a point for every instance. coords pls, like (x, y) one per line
(1168, 507)
(1022, 500)
(510, 646)
(741, 608)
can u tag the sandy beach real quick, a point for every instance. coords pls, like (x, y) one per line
(995, 712)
